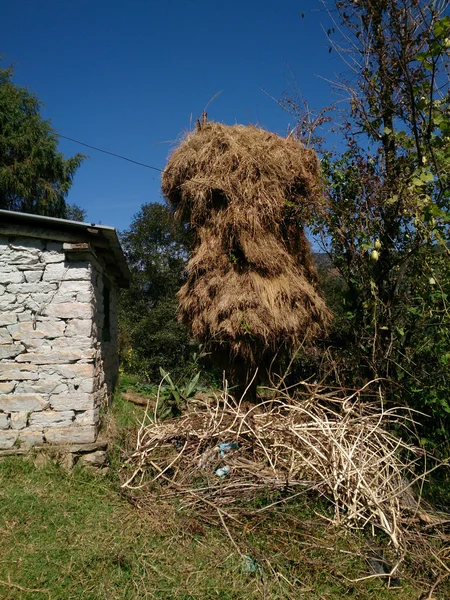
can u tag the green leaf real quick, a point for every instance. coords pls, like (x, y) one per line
(165, 375)
(427, 176)
(192, 385)
(392, 200)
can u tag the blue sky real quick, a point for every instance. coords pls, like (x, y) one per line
(131, 77)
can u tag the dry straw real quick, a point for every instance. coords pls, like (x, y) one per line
(318, 440)
(245, 192)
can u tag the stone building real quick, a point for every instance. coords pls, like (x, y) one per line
(58, 328)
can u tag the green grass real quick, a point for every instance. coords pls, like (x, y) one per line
(74, 535)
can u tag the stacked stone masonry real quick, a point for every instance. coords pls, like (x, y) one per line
(58, 353)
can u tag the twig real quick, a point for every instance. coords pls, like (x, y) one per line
(16, 586)
(438, 581)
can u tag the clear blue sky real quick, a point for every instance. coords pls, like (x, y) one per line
(131, 76)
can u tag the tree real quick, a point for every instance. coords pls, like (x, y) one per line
(75, 213)
(387, 223)
(34, 176)
(150, 334)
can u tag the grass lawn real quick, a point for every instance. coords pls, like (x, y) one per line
(74, 535)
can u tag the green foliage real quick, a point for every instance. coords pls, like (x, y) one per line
(386, 227)
(150, 334)
(34, 176)
(175, 403)
(75, 213)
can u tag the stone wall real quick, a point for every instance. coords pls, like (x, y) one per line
(53, 345)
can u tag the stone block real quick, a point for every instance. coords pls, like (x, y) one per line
(53, 358)
(27, 244)
(32, 345)
(51, 418)
(78, 327)
(17, 308)
(8, 438)
(74, 401)
(10, 350)
(73, 287)
(76, 370)
(12, 277)
(61, 388)
(85, 297)
(26, 316)
(24, 258)
(79, 270)
(88, 417)
(71, 435)
(27, 438)
(12, 371)
(45, 385)
(93, 459)
(22, 403)
(41, 287)
(8, 302)
(66, 461)
(5, 336)
(46, 329)
(83, 448)
(6, 388)
(19, 420)
(32, 276)
(70, 310)
(87, 386)
(37, 267)
(61, 298)
(4, 264)
(4, 421)
(53, 257)
(78, 342)
(55, 272)
(8, 319)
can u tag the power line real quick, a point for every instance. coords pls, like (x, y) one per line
(110, 153)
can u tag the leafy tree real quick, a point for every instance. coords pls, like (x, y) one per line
(34, 176)
(387, 224)
(75, 213)
(150, 334)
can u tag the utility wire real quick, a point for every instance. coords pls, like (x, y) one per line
(110, 153)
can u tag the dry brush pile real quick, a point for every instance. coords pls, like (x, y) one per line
(222, 454)
(251, 286)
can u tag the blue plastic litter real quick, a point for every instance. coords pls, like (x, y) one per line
(223, 471)
(225, 447)
(251, 565)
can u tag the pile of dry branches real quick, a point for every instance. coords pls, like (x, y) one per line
(222, 453)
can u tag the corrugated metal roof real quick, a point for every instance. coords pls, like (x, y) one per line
(102, 238)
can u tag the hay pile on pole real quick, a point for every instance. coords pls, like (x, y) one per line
(251, 287)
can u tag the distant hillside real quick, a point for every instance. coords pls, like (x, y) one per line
(321, 260)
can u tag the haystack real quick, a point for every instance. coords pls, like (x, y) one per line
(246, 194)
